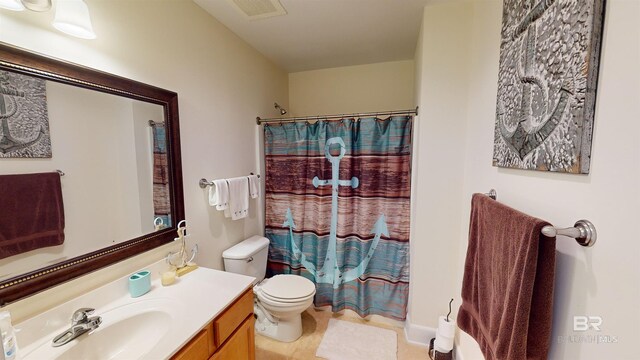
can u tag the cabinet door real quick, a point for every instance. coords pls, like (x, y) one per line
(197, 348)
(240, 345)
(232, 317)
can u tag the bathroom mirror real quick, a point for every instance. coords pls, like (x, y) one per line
(116, 142)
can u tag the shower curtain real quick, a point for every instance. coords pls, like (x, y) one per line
(161, 198)
(337, 210)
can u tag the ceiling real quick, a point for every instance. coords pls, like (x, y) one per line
(318, 34)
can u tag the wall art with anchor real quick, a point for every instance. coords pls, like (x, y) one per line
(24, 121)
(549, 57)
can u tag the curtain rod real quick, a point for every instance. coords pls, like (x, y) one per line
(260, 121)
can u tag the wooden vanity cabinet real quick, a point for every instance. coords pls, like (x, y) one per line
(228, 336)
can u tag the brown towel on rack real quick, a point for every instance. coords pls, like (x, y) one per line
(507, 287)
(31, 212)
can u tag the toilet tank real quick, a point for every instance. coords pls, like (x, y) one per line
(248, 257)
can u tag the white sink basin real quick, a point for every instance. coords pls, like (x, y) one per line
(151, 327)
(128, 331)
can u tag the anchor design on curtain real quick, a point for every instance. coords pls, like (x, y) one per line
(330, 273)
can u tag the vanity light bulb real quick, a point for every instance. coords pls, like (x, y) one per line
(72, 18)
(14, 5)
(37, 5)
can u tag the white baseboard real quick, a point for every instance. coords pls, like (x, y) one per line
(418, 334)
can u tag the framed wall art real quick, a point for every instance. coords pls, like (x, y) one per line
(547, 80)
(24, 121)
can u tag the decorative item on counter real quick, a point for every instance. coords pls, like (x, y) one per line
(182, 264)
(8, 343)
(189, 267)
(158, 223)
(140, 283)
(441, 347)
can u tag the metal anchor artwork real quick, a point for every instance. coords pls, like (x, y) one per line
(520, 140)
(330, 273)
(7, 142)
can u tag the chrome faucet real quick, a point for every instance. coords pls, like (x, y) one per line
(80, 324)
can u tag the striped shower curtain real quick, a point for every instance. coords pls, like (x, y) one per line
(161, 198)
(337, 210)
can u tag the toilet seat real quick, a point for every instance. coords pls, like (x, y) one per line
(286, 289)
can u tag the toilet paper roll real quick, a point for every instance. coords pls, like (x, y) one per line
(443, 343)
(446, 328)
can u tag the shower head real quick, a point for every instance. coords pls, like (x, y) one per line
(278, 107)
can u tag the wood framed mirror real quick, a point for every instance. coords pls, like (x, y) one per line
(80, 83)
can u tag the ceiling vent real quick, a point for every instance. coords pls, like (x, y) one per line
(259, 9)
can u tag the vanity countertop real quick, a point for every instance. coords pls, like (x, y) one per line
(153, 326)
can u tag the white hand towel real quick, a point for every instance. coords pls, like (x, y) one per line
(254, 186)
(238, 198)
(219, 194)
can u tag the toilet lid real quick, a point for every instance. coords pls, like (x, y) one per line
(288, 287)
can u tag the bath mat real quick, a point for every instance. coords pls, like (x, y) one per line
(345, 340)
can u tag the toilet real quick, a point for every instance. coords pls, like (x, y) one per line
(278, 301)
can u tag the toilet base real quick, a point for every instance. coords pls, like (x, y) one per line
(285, 330)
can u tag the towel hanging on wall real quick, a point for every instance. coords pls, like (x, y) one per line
(238, 198)
(219, 194)
(254, 186)
(31, 212)
(510, 262)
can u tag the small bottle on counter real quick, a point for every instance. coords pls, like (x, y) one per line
(8, 335)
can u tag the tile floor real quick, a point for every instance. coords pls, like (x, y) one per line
(314, 324)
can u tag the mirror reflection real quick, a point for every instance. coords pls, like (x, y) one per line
(106, 145)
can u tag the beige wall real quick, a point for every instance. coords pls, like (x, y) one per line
(438, 165)
(352, 89)
(222, 85)
(600, 281)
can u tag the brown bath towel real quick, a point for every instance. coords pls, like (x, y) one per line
(507, 288)
(31, 212)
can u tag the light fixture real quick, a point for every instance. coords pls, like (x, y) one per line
(37, 5)
(278, 107)
(72, 18)
(15, 5)
(19, 5)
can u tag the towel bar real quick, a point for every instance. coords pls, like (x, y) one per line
(204, 182)
(492, 194)
(583, 230)
(60, 172)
